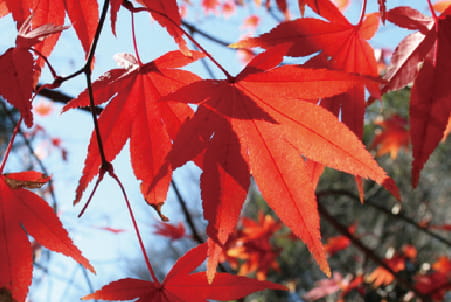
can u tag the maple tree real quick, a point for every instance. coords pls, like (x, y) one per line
(275, 126)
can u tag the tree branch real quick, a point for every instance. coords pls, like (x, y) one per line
(369, 252)
(187, 214)
(62, 98)
(401, 216)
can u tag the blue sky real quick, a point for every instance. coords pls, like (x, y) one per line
(109, 252)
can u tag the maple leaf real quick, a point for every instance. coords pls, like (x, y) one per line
(435, 283)
(381, 276)
(242, 127)
(24, 213)
(340, 242)
(443, 265)
(210, 6)
(111, 230)
(150, 125)
(430, 104)
(337, 38)
(17, 68)
(342, 46)
(393, 136)
(250, 249)
(336, 243)
(115, 5)
(170, 230)
(16, 76)
(82, 13)
(166, 13)
(180, 285)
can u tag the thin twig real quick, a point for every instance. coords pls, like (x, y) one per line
(88, 280)
(62, 98)
(203, 60)
(87, 72)
(186, 213)
(401, 216)
(127, 4)
(190, 221)
(362, 13)
(369, 252)
(136, 228)
(41, 165)
(11, 142)
(194, 29)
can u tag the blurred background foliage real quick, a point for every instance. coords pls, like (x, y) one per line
(410, 236)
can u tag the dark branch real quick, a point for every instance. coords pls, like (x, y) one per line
(61, 98)
(369, 252)
(401, 216)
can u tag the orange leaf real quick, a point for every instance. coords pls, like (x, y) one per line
(337, 243)
(442, 5)
(241, 118)
(393, 136)
(30, 179)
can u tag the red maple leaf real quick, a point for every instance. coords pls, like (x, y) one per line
(180, 285)
(436, 282)
(342, 46)
(430, 102)
(336, 243)
(243, 127)
(166, 13)
(17, 68)
(170, 230)
(340, 242)
(16, 78)
(83, 15)
(134, 112)
(210, 6)
(24, 213)
(393, 136)
(344, 43)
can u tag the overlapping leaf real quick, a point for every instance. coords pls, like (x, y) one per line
(430, 104)
(134, 112)
(342, 46)
(242, 126)
(24, 213)
(83, 15)
(337, 38)
(181, 285)
(17, 68)
(251, 250)
(166, 12)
